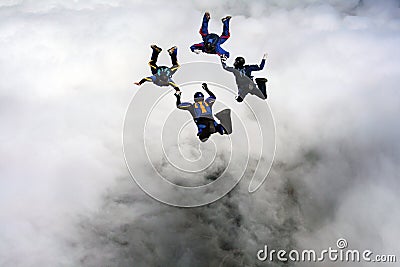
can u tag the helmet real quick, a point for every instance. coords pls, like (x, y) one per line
(239, 62)
(209, 47)
(210, 43)
(198, 96)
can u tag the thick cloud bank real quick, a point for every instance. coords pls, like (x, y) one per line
(67, 68)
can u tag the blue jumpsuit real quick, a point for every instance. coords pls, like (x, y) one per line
(213, 38)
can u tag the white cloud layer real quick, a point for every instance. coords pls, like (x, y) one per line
(66, 71)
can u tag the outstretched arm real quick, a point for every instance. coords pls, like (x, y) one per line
(211, 99)
(261, 66)
(179, 104)
(178, 99)
(197, 48)
(147, 79)
(205, 87)
(174, 85)
(223, 63)
(221, 52)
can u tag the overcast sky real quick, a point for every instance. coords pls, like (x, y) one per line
(67, 70)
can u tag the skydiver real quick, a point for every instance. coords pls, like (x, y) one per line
(211, 41)
(201, 111)
(244, 80)
(162, 75)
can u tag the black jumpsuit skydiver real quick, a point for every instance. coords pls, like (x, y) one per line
(162, 75)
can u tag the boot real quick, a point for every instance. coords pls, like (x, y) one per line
(156, 48)
(207, 15)
(172, 50)
(261, 85)
(226, 18)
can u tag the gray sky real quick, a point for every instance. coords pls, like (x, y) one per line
(66, 72)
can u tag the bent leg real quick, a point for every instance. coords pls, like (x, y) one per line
(204, 25)
(225, 30)
(225, 122)
(203, 132)
(153, 61)
(174, 54)
(174, 68)
(200, 128)
(220, 129)
(242, 92)
(153, 67)
(261, 84)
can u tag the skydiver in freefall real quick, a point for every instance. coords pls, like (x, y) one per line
(212, 42)
(162, 75)
(201, 111)
(244, 80)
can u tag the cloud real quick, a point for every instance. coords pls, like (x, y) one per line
(67, 70)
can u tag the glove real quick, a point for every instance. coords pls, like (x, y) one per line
(265, 55)
(223, 58)
(136, 83)
(204, 85)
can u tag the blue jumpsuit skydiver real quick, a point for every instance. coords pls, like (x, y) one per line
(162, 75)
(201, 111)
(212, 42)
(244, 79)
